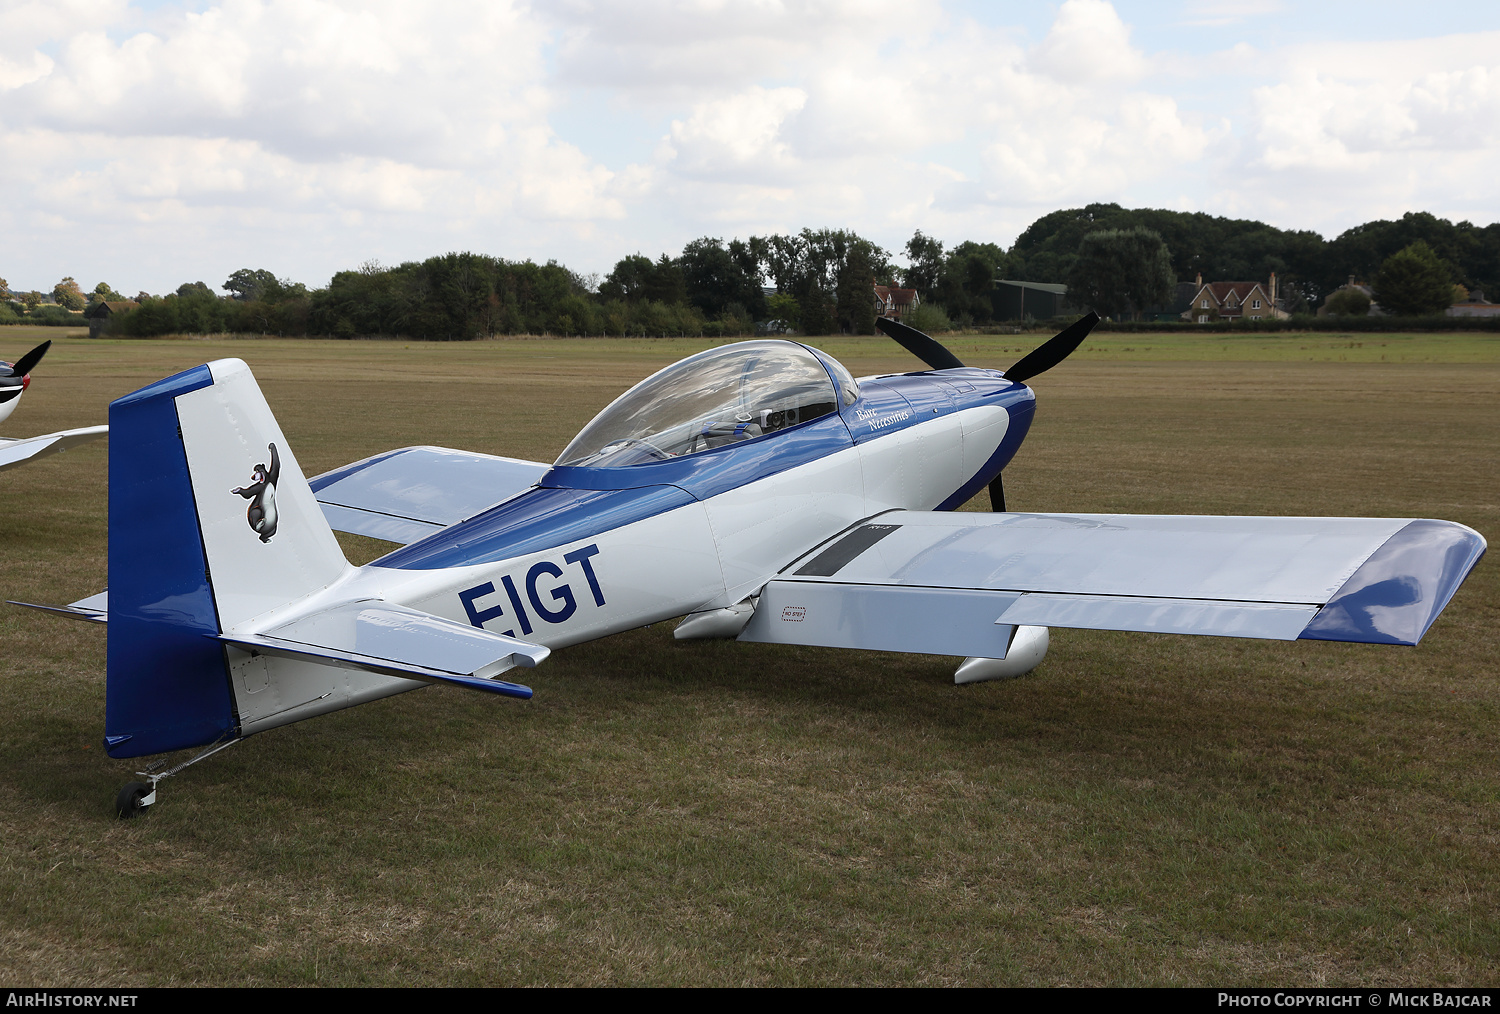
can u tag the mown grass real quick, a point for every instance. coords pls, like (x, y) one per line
(1141, 810)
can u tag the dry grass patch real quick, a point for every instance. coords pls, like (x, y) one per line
(1142, 809)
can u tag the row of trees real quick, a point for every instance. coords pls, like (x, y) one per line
(1113, 259)
(1307, 266)
(66, 294)
(1121, 270)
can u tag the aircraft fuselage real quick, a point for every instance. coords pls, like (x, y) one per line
(593, 551)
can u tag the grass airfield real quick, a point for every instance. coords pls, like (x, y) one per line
(1143, 809)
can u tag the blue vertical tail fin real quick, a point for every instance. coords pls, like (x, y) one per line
(211, 524)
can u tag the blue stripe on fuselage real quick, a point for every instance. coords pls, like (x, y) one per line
(574, 503)
(537, 520)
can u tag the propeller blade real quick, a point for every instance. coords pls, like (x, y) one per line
(28, 362)
(1057, 348)
(920, 345)
(997, 495)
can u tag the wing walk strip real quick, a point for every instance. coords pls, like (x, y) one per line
(832, 560)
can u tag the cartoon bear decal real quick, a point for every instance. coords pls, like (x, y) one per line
(262, 496)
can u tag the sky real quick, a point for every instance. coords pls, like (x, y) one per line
(150, 143)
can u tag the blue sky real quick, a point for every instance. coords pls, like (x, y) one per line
(150, 143)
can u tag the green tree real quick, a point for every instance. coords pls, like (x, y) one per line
(1221, 248)
(930, 318)
(189, 289)
(32, 299)
(715, 277)
(1350, 302)
(856, 293)
(1414, 281)
(636, 279)
(817, 315)
(748, 256)
(1472, 252)
(629, 279)
(967, 276)
(248, 284)
(5, 292)
(102, 292)
(66, 293)
(666, 284)
(925, 255)
(783, 306)
(1119, 270)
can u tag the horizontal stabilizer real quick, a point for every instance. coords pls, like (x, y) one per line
(94, 609)
(408, 494)
(393, 640)
(18, 452)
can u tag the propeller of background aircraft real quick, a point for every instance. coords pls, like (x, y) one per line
(28, 362)
(13, 377)
(1041, 359)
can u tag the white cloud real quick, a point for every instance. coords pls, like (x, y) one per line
(1219, 13)
(1355, 131)
(1089, 42)
(671, 50)
(736, 133)
(310, 135)
(326, 110)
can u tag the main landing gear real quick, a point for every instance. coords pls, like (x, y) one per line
(133, 799)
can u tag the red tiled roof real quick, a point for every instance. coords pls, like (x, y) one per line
(1221, 291)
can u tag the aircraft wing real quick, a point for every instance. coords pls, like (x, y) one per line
(18, 452)
(410, 493)
(955, 583)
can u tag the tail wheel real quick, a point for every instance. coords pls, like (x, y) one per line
(128, 803)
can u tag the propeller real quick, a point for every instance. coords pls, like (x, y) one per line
(1053, 351)
(997, 494)
(924, 347)
(1039, 360)
(28, 362)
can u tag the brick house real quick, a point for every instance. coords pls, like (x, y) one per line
(1233, 301)
(894, 302)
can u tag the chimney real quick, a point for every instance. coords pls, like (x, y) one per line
(1199, 281)
(1273, 288)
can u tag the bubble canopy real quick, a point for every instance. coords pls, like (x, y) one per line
(713, 399)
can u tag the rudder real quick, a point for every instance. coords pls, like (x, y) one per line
(187, 559)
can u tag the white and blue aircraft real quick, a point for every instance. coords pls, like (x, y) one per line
(15, 378)
(758, 489)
